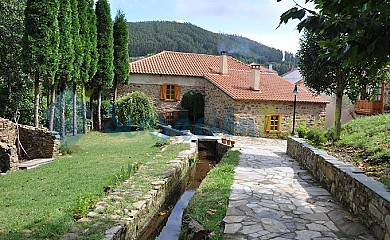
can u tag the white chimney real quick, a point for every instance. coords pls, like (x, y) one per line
(255, 77)
(223, 66)
(270, 68)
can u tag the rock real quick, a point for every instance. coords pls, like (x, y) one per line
(196, 231)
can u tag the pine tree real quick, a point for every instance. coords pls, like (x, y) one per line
(40, 44)
(121, 53)
(105, 70)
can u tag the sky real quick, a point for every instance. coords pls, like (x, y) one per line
(255, 19)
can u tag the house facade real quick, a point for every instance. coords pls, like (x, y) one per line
(242, 99)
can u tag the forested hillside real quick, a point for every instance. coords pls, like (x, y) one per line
(156, 36)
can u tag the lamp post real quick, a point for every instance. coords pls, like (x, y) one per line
(295, 93)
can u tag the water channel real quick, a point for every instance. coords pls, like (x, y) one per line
(167, 223)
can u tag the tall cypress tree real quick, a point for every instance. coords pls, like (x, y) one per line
(83, 11)
(78, 58)
(67, 55)
(121, 52)
(40, 44)
(94, 56)
(105, 45)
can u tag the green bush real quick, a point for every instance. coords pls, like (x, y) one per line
(193, 101)
(315, 136)
(302, 131)
(136, 109)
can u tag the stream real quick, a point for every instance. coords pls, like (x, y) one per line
(167, 223)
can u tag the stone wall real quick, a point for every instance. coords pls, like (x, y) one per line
(37, 142)
(150, 85)
(7, 132)
(365, 197)
(218, 109)
(250, 115)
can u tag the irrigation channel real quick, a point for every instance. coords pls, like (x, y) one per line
(166, 224)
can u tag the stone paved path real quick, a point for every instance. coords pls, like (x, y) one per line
(273, 198)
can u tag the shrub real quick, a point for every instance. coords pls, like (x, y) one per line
(136, 109)
(193, 101)
(162, 142)
(302, 131)
(315, 136)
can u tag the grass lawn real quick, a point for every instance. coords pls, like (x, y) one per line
(366, 142)
(210, 202)
(41, 203)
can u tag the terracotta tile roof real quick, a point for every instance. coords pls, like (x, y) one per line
(184, 64)
(272, 87)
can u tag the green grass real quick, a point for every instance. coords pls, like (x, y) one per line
(41, 203)
(213, 193)
(369, 134)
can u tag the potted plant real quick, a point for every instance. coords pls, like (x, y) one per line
(228, 141)
(232, 142)
(223, 140)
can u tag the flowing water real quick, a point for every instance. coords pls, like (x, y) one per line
(167, 223)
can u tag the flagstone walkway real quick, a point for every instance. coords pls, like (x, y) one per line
(273, 198)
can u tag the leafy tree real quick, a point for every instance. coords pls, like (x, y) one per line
(356, 32)
(40, 44)
(323, 75)
(67, 55)
(121, 52)
(193, 101)
(78, 58)
(105, 45)
(337, 40)
(15, 87)
(136, 109)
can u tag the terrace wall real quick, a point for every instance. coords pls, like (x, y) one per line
(365, 197)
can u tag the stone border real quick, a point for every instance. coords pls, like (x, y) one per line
(365, 197)
(132, 220)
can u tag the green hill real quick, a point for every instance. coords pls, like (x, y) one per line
(156, 36)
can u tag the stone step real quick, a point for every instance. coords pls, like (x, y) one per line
(34, 163)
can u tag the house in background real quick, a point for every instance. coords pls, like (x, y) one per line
(347, 113)
(242, 99)
(378, 105)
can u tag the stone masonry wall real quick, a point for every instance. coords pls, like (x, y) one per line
(8, 153)
(250, 116)
(150, 85)
(218, 109)
(365, 197)
(37, 142)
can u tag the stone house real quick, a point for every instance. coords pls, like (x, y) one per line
(242, 99)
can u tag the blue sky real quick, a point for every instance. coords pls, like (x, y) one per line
(254, 19)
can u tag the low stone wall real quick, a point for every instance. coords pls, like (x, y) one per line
(365, 197)
(38, 142)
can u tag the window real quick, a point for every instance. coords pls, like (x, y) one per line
(272, 123)
(170, 92)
